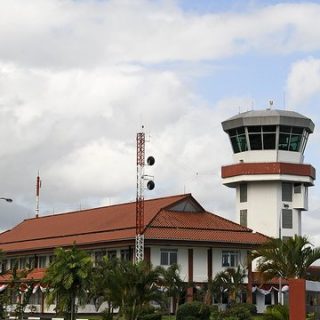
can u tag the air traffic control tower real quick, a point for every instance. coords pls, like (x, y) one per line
(268, 173)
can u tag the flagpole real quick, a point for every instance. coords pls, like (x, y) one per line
(38, 186)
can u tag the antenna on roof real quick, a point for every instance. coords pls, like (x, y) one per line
(38, 186)
(270, 105)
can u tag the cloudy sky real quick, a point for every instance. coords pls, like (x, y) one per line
(79, 78)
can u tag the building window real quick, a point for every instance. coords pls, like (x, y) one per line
(287, 218)
(31, 262)
(230, 258)
(14, 263)
(3, 266)
(269, 137)
(23, 263)
(286, 238)
(286, 191)
(244, 217)
(112, 254)
(267, 299)
(35, 298)
(243, 192)
(297, 188)
(125, 254)
(238, 140)
(98, 256)
(51, 258)
(42, 261)
(168, 257)
(290, 138)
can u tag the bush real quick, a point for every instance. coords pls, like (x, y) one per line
(238, 311)
(276, 312)
(193, 311)
(148, 313)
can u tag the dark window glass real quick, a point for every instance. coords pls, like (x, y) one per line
(267, 299)
(269, 128)
(42, 260)
(168, 257)
(23, 263)
(254, 297)
(242, 141)
(125, 254)
(297, 130)
(230, 258)
(244, 217)
(173, 257)
(243, 192)
(235, 145)
(285, 129)
(254, 129)
(3, 265)
(295, 142)
(240, 130)
(284, 141)
(232, 132)
(112, 254)
(269, 141)
(13, 263)
(255, 141)
(98, 255)
(297, 188)
(287, 218)
(286, 191)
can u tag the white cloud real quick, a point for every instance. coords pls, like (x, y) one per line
(303, 81)
(87, 33)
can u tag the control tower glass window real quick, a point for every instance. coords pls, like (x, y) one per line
(269, 137)
(238, 140)
(255, 137)
(290, 138)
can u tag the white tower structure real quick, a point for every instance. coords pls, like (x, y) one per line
(268, 172)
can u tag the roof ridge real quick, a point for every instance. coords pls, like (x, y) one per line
(102, 207)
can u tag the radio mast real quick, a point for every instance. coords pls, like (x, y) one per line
(141, 140)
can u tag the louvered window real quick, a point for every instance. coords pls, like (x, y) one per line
(286, 191)
(287, 218)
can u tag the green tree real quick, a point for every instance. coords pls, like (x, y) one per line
(232, 281)
(106, 285)
(139, 284)
(68, 278)
(289, 258)
(173, 284)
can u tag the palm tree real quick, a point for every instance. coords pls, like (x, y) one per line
(68, 278)
(139, 285)
(289, 258)
(232, 281)
(173, 284)
(106, 285)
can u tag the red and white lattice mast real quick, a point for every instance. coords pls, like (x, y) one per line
(141, 177)
(38, 186)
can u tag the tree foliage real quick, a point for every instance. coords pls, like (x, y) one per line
(68, 278)
(286, 258)
(231, 281)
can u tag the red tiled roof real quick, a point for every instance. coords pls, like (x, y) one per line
(220, 236)
(117, 223)
(35, 274)
(194, 220)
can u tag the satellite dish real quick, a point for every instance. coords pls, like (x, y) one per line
(150, 161)
(150, 185)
